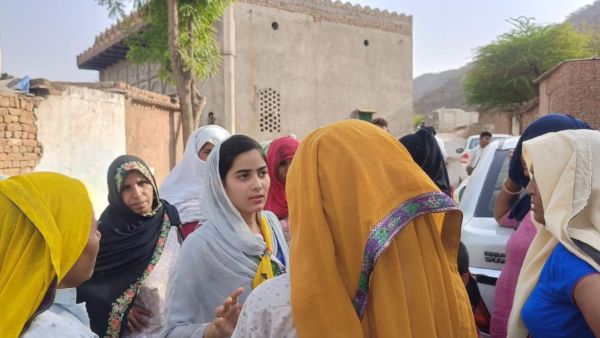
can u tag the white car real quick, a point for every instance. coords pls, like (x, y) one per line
(472, 142)
(484, 239)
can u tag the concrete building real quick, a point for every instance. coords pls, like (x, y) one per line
(289, 66)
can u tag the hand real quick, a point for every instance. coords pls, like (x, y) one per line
(137, 319)
(226, 317)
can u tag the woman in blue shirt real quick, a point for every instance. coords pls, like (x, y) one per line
(558, 293)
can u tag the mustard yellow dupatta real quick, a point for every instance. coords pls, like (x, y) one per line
(44, 227)
(349, 186)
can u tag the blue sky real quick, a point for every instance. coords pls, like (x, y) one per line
(41, 38)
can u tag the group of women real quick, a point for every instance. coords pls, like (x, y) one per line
(374, 241)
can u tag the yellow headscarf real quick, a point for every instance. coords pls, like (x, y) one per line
(569, 186)
(345, 179)
(44, 227)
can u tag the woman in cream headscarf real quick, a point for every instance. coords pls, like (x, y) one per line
(45, 232)
(558, 290)
(374, 246)
(183, 187)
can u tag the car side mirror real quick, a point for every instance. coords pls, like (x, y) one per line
(460, 150)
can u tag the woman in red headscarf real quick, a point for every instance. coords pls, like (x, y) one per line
(279, 157)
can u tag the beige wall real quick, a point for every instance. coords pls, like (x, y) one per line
(82, 131)
(316, 61)
(321, 69)
(154, 135)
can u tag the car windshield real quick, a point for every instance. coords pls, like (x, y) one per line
(474, 142)
(493, 184)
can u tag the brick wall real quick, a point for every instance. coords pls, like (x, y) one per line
(573, 88)
(20, 150)
(529, 115)
(496, 121)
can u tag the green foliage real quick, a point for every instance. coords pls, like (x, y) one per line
(418, 120)
(504, 70)
(200, 50)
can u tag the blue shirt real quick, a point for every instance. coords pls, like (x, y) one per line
(550, 310)
(64, 319)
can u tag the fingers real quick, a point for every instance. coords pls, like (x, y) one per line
(137, 319)
(132, 322)
(236, 294)
(143, 311)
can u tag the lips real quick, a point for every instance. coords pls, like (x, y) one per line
(139, 205)
(257, 197)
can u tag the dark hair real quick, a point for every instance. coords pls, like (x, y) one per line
(380, 121)
(463, 259)
(484, 134)
(232, 147)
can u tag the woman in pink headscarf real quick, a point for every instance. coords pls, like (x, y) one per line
(279, 157)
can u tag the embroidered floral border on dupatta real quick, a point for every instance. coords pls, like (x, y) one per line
(123, 303)
(384, 232)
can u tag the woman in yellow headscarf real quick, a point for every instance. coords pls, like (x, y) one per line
(374, 246)
(44, 228)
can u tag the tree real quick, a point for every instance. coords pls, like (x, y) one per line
(180, 36)
(504, 70)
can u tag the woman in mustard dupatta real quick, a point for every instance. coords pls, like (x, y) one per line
(374, 246)
(44, 229)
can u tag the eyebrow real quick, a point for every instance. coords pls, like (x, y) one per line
(247, 171)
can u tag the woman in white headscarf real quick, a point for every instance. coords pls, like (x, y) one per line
(183, 187)
(558, 292)
(240, 245)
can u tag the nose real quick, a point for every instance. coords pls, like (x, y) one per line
(138, 190)
(256, 183)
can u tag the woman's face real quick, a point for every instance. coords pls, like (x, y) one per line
(205, 151)
(536, 200)
(84, 266)
(282, 169)
(137, 193)
(247, 183)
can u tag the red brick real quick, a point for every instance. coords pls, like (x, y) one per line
(11, 171)
(13, 101)
(30, 143)
(30, 156)
(30, 128)
(15, 156)
(15, 111)
(13, 127)
(26, 119)
(14, 142)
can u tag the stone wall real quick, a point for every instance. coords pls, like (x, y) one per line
(20, 150)
(573, 88)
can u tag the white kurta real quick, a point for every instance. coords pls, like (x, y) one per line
(267, 312)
